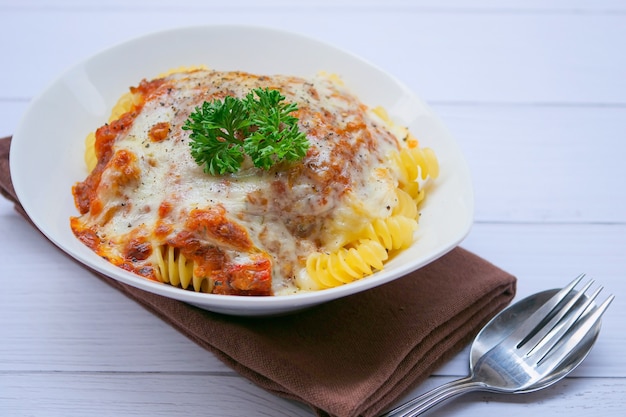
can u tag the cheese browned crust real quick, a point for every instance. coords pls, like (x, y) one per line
(249, 232)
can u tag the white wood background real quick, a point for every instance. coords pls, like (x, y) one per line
(535, 93)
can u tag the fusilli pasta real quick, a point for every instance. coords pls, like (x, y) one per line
(173, 268)
(347, 264)
(415, 165)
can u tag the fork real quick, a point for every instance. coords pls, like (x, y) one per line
(546, 345)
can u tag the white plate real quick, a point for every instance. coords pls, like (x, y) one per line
(47, 147)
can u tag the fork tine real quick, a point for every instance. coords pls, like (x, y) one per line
(582, 328)
(527, 329)
(550, 335)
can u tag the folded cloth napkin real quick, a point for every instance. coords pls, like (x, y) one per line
(350, 357)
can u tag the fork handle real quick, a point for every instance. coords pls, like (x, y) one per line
(435, 396)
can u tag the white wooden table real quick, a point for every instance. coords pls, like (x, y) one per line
(535, 93)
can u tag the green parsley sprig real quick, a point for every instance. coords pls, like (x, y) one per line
(260, 125)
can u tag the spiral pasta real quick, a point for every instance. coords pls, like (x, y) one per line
(90, 151)
(124, 104)
(173, 268)
(415, 164)
(347, 264)
(393, 233)
(406, 206)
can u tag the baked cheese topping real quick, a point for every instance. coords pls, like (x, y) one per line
(246, 233)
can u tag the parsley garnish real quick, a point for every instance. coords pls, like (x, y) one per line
(260, 125)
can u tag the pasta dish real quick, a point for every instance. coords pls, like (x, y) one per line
(333, 217)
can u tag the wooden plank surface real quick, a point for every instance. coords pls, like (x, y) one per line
(533, 91)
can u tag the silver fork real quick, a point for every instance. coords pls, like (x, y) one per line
(526, 347)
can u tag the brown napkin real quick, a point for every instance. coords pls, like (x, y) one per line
(350, 357)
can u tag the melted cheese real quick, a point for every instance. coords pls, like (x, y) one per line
(147, 190)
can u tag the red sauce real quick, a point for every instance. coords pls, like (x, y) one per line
(162, 229)
(248, 279)
(159, 131)
(208, 259)
(124, 163)
(87, 236)
(137, 249)
(165, 208)
(148, 88)
(106, 135)
(212, 222)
